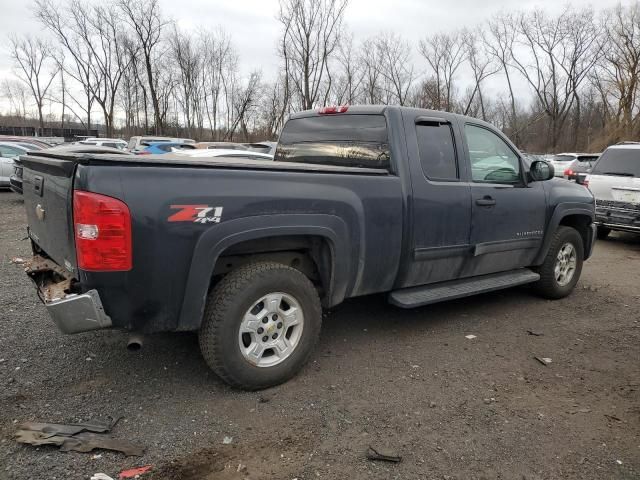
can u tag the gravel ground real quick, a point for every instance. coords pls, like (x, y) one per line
(410, 381)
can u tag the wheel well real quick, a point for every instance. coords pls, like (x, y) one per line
(311, 255)
(581, 224)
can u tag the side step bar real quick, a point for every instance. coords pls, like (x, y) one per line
(440, 292)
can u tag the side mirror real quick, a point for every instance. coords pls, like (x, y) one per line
(541, 171)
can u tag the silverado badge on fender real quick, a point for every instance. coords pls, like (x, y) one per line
(196, 214)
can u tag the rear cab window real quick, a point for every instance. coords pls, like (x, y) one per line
(619, 161)
(437, 151)
(349, 140)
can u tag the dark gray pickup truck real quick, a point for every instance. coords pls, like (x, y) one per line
(425, 206)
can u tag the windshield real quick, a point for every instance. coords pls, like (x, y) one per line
(619, 161)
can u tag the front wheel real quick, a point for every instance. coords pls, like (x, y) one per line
(260, 325)
(562, 266)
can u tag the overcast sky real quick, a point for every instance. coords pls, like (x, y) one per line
(254, 29)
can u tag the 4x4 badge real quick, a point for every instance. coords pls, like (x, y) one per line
(196, 214)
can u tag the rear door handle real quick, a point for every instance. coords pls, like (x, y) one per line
(486, 201)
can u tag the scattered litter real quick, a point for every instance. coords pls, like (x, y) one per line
(470, 337)
(612, 417)
(535, 334)
(543, 360)
(619, 462)
(227, 440)
(79, 437)
(134, 472)
(101, 476)
(383, 455)
(18, 260)
(96, 457)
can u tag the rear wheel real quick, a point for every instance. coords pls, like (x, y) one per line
(563, 264)
(603, 232)
(260, 325)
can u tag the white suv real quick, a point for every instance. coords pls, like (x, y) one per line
(615, 183)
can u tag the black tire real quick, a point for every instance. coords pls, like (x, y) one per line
(548, 286)
(226, 306)
(603, 232)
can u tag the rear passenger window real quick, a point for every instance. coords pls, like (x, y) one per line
(437, 152)
(344, 140)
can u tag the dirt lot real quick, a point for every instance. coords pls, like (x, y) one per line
(454, 408)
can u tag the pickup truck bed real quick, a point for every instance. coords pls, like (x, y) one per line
(423, 205)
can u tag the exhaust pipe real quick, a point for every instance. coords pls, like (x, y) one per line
(135, 342)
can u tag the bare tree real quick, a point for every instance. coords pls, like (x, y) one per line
(35, 66)
(499, 38)
(74, 55)
(145, 20)
(394, 64)
(481, 66)
(617, 77)
(560, 62)
(444, 54)
(311, 29)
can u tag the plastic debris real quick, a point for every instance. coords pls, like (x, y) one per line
(18, 260)
(470, 337)
(79, 437)
(543, 360)
(227, 440)
(619, 462)
(134, 472)
(101, 476)
(382, 455)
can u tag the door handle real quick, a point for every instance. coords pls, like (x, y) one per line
(486, 201)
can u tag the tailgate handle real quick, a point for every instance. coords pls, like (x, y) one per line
(38, 183)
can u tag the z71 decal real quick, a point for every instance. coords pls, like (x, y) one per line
(196, 214)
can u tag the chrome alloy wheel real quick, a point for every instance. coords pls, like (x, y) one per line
(271, 329)
(565, 266)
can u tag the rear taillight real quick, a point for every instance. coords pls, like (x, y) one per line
(568, 172)
(333, 110)
(102, 228)
(585, 182)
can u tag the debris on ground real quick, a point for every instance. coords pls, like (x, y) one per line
(79, 437)
(382, 455)
(470, 337)
(134, 472)
(580, 410)
(101, 476)
(543, 360)
(18, 261)
(612, 417)
(227, 440)
(535, 334)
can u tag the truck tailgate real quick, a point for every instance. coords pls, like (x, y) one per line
(48, 197)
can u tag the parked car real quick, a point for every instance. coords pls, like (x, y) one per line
(28, 140)
(104, 142)
(568, 165)
(8, 153)
(160, 148)
(221, 152)
(220, 145)
(425, 206)
(615, 183)
(137, 144)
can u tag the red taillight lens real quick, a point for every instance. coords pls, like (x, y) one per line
(568, 172)
(333, 110)
(102, 229)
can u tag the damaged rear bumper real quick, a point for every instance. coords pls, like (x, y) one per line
(72, 312)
